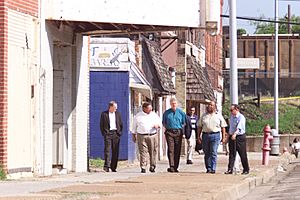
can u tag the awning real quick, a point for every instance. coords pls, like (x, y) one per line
(143, 89)
(138, 82)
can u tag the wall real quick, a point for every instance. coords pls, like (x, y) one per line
(254, 143)
(25, 11)
(21, 43)
(128, 12)
(104, 87)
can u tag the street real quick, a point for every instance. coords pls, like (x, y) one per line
(128, 183)
(283, 186)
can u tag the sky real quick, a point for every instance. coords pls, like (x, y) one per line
(256, 8)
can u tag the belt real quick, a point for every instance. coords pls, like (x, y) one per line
(174, 130)
(211, 132)
(147, 134)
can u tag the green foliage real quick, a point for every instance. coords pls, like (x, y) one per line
(97, 163)
(2, 173)
(241, 31)
(269, 28)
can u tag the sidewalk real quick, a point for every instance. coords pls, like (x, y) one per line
(128, 183)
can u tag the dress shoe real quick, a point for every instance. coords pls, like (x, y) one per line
(152, 169)
(208, 171)
(228, 172)
(189, 162)
(171, 169)
(143, 171)
(245, 172)
(176, 170)
(106, 169)
(212, 171)
(113, 170)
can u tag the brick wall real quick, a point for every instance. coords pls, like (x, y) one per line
(213, 58)
(3, 84)
(28, 7)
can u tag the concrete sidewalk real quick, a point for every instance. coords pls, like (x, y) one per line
(128, 183)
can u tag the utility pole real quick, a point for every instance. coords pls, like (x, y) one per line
(289, 19)
(276, 69)
(233, 54)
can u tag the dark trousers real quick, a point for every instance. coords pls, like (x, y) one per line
(238, 145)
(174, 147)
(111, 143)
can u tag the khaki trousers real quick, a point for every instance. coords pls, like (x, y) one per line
(147, 145)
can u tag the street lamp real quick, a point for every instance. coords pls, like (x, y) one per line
(276, 69)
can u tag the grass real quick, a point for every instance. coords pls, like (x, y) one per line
(96, 163)
(2, 173)
(257, 118)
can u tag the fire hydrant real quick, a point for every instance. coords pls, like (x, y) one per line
(266, 145)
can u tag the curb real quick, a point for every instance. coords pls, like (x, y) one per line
(240, 190)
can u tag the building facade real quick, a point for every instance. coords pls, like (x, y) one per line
(45, 75)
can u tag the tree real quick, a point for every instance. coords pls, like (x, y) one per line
(241, 31)
(269, 28)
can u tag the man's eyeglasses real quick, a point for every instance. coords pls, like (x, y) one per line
(232, 110)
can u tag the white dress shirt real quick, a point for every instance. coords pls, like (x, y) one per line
(112, 121)
(143, 123)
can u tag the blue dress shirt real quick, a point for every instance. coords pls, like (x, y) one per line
(237, 124)
(174, 119)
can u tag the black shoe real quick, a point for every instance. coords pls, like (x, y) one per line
(171, 169)
(212, 171)
(208, 171)
(106, 169)
(189, 162)
(152, 169)
(228, 172)
(245, 172)
(176, 170)
(143, 171)
(113, 170)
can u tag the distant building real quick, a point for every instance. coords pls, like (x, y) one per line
(252, 81)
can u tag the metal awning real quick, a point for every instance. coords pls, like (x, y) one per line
(100, 28)
(143, 89)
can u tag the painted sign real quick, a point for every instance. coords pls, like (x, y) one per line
(245, 63)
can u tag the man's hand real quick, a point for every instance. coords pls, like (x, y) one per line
(199, 140)
(156, 126)
(134, 138)
(233, 137)
(225, 138)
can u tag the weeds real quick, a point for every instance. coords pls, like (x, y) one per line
(2, 173)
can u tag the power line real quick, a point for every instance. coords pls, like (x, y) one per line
(262, 20)
(290, 0)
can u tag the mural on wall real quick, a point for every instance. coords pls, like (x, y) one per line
(111, 53)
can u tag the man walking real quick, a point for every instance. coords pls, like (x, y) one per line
(191, 132)
(210, 125)
(145, 128)
(237, 139)
(111, 127)
(174, 120)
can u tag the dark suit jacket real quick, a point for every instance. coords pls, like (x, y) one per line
(104, 123)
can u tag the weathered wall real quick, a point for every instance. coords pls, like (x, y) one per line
(254, 143)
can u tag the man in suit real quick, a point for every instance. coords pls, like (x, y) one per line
(191, 131)
(111, 127)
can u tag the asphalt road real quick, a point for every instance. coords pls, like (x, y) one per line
(284, 186)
